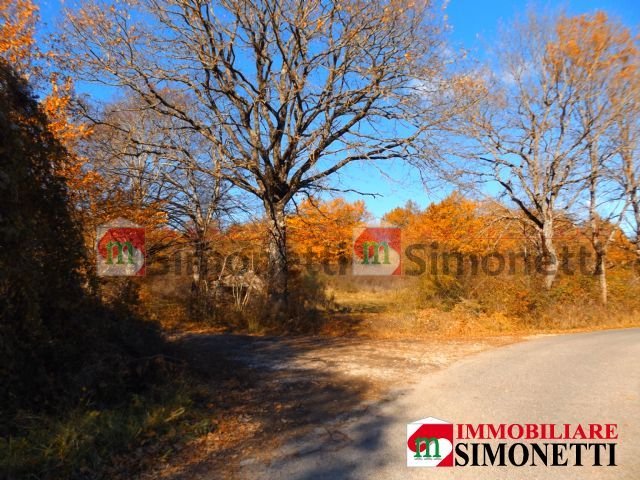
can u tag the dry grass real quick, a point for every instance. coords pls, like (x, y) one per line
(458, 308)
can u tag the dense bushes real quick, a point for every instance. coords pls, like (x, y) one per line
(80, 380)
(40, 247)
(55, 341)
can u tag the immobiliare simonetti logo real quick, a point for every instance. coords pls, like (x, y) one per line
(377, 251)
(120, 249)
(431, 443)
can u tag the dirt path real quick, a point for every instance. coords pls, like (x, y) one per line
(293, 396)
(384, 362)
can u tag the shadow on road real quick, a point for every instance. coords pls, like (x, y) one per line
(284, 412)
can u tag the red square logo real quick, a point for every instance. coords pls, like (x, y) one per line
(120, 249)
(377, 251)
(430, 443)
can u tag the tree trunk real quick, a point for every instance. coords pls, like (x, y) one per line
(550, 257)
(200, 286)
(601, 273)
(636, 213)
(278, 267)
(600, 270)
(599, 247)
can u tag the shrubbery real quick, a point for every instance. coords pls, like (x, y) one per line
(60, 348)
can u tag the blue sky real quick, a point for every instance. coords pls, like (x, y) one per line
(475, 24)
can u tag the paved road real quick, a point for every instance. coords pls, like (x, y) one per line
(579, 378)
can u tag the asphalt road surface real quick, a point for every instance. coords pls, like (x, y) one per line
(579, 378)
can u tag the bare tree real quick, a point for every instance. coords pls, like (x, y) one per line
(521, 139)
(168, 170)
(627, 169)
(114, 153)
(286, 93)
(597, 54)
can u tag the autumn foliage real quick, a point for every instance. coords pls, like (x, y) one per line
(323, 230)
(17, 32)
